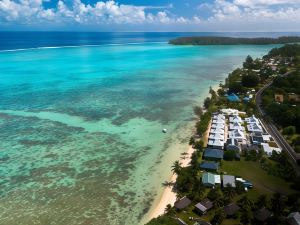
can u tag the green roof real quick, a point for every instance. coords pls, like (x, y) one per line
(208, 178)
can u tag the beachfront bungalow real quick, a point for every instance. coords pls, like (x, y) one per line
(294, 218)
(218, 116)
(203, 206)
(216, 136)
(255, 127)
(213, 154)
(262, 214)
(231, 209)
(235, 119)
(257, 139)
(252, 119)
(232, 144)
(216, 143)
(216, 131)
(236, 126)
(236, 134)
(182, 203)
(218, 125)
(233, 98)
(269, 150)
(228, 180)
(218, 120)
(209, 166)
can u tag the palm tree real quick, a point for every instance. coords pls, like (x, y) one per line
(229, 192)
(245, 203)
(219, 202)
(262, 200)
(246, 217)
(176, 168)
(169, 209)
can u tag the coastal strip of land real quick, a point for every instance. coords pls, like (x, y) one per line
(239, 171)
(214, 40)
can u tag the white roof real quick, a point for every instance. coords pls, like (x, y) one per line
(268, 149)
(236, 134)
(230, 111)
(216, 142)
(217, 136)
(218, 116)
(217, 179)
(217, 131)
(254, 127)
(218, 125)
(252, 119)
(218, 121)
(235, 119)
(236, 126)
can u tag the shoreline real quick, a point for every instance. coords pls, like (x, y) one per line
(169, 196)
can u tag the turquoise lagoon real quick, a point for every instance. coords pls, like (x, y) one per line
(81, 139)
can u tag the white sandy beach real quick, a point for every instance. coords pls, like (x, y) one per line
(168, 196)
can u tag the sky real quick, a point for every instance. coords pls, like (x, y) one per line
(151, 15)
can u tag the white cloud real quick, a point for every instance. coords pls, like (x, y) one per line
(225, 15)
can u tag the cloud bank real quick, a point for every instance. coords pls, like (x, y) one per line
(223, 15)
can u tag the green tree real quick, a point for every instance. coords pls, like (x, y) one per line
(176, 167)
(229, 192)
(229, 155)
(218, 217)
(262, 201)
(248, 64)
(169, 210)
(245, 203)
(246, 217)
(290, 130)
(250, 80)
(207, 102)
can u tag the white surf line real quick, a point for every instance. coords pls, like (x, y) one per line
(81, 46)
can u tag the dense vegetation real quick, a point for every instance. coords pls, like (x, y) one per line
(286, 113)
(232, 41)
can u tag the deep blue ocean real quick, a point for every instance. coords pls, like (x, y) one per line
(22, 40)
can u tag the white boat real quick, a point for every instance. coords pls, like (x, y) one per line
(164, 130)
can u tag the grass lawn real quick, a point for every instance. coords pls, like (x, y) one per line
(262, 181)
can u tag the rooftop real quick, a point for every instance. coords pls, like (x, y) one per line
(182, 203)
(213, 153)
(231, 209)
(209, 165)
(262, 214)
(228, 180)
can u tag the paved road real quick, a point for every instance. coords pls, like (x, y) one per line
(272, 130)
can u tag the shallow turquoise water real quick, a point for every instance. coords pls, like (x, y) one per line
(81, 139)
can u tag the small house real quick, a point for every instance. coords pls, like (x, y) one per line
(233, 98)
(208, 179)
(216, 143)
(278, 98)
(236, 126)
(218, 125)
(232, 144)
(203, 206)
(262, 214)
(216, 136)
(216, 131)
(228, 181)
(294, 218)
(182, 203)
(252, 119)
(255, 127)
(236, 134)
(209, 166)
(235, 119)
(181, 221)
(213, 154)
(231, 209)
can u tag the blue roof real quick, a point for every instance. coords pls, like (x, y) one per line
(209, 165)
(213, 153)
(233, 98)
(246, 99)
